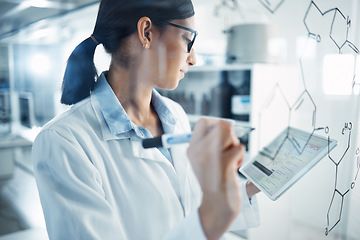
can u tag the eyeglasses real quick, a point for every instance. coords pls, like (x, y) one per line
(193, 32)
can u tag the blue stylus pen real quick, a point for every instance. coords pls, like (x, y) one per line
(169, 140)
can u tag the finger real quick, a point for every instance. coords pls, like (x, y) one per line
(241, 160)
(233, 157)
(211, 136)
(200, 130)
(204, 125)
(222, 136)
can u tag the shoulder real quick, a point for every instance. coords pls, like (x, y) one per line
(76, 120)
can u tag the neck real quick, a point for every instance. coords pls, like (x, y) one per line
(130, 90)
(134, 93)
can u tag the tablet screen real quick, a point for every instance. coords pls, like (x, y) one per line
(285, 160)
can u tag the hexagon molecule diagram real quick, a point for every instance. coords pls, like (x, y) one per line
(334, 212)
(339, 32)
(339, 26)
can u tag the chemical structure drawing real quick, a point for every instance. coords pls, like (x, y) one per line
(338, 32)
(302, 116)
(357, 167)
(303, 110)
(335, 209)
(272, 5)
(339, 35)
(339, 27)
(275, 102)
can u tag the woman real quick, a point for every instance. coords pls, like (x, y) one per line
(95, 180)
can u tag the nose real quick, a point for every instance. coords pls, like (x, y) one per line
(191, 57)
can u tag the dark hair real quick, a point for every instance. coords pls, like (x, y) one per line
(116, 20)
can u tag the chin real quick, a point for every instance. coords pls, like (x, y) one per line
(173, 87)
(176, 84)
(170, 85)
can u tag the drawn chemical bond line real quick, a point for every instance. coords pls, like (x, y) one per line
(305, 94)
(274, 94)
(347, 127)
(327, 230)
(272, 5)
(337, 14)
(226, 4)
(340, 43)
(300, 149)
(354, 82)
(296, 107)
(357, 166)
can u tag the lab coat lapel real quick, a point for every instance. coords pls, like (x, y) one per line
(181, 166)
(179, 159)
(153, 154)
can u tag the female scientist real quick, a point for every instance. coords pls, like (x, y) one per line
(95, 179)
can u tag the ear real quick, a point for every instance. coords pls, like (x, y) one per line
(144, 31)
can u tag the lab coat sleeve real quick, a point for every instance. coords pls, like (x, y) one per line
(249, 213)
(70, 191)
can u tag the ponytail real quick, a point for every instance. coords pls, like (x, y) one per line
(80, 73)
(116, 20)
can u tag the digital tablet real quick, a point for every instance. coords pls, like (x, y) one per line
(285, 160)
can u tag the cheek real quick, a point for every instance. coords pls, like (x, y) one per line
(171, 57)
(177, 60)
(174, 62)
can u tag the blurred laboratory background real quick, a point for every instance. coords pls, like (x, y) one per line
(267, 64)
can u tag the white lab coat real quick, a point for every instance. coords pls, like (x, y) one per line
(96, 185)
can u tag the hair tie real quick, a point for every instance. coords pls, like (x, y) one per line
(94, 39)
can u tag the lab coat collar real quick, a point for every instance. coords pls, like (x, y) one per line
(167, 118)
(117, 121)
(114, 114)
(106, 133)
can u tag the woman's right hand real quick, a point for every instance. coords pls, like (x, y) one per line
(215, 154)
